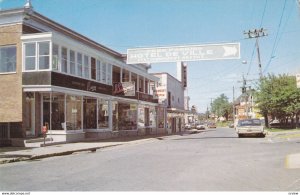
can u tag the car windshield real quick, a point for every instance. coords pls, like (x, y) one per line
(250, 122)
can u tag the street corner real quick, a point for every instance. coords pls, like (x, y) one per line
(292, 161)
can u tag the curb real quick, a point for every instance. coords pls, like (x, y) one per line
(64, 153)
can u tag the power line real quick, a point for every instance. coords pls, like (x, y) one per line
(276, 38)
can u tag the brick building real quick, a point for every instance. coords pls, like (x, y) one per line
(52, 76)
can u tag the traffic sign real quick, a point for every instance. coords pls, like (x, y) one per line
(183, 53)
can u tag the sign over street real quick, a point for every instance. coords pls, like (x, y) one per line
(183, 53)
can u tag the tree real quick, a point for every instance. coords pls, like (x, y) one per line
(221, 107)
(279, 98)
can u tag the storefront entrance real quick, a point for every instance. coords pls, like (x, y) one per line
(29, 117)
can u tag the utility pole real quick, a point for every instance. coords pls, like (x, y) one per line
(233, 108)
(256, 33)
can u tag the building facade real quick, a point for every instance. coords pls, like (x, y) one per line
(52, 77)
(170, 94)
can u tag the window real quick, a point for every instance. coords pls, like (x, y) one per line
(90, 113)
(72, 62)
(8, 59)
(86, 67)
(125, 77)
(93, 68)
(44, 55)
(98, 70)
(103, 72)
(55, 52)
(108, 74)
(79, 64)
(103, 118)
(58, 112)
(73, 112)
(30, 56)
(141, 84)
(64, 60)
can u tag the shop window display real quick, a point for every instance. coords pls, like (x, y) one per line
(141, 116)
(115, 115)
(152, 117)
(160, 117)
(58, 116)
(103, 117)
(127, 116)
(89, 113)
(73, 112)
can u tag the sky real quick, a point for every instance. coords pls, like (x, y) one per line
(127, 24)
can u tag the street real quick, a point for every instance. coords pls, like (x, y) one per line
(213, 160)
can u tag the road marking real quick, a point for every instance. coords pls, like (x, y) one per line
(292, 161)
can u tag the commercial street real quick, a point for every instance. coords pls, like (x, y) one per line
(213, 160)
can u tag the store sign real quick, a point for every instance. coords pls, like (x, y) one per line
(124, 88)
(298, 80)
(183, 53)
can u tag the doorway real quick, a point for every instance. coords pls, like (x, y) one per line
(29, 117)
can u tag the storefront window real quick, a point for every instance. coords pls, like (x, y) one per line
(89, 113)
(127, 116)
(58, 110)
(152, 117)
(141, 115)
(73, 112)
(103, 117)
(161, 117)
(115, 115)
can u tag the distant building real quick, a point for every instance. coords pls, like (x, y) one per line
(170, 93)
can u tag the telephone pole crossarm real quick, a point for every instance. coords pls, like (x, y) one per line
(256, 33)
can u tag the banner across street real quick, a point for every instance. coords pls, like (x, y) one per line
(183, 53)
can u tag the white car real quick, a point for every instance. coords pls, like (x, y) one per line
(250, 127)
(200, 126)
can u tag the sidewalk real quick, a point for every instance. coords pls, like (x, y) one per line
(22, 154)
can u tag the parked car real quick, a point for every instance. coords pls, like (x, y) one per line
(187, 126)
(231, 125)
(250, 127)
(200, 126)
(274, 124)
(211, 125)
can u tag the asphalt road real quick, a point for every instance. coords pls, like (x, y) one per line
(214, 160)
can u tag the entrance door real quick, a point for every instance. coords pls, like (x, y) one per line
(29, 118)
(173, 125)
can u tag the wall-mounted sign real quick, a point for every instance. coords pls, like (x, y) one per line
(183, 53)
(124, 88)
